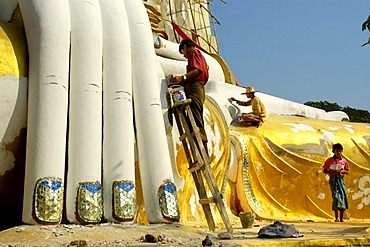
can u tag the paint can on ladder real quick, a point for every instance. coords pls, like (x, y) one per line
(177, 94)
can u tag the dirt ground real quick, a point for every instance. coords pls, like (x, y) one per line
(111, 234)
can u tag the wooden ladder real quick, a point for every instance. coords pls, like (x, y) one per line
(199, 163)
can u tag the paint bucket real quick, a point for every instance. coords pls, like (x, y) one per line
(177, 93)
(247, 219)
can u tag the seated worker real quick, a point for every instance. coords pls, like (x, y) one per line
(258, 115)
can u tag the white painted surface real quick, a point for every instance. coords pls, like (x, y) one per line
(363, 193)
(49, 55)
(349, 128)
(13, 116)
(327, 136)
(169, 50)
(7, 8)
(173, 63)
(85, 112)
(47, 30)
(300, 127)
(337, 116)
(171, 67)
(118, 127)
(155, 166)
(215, 70)
(222, 91)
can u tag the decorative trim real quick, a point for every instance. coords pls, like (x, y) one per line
(248, 190)
(168, 201)
(89, 202)
(48, 200)
(123, 200)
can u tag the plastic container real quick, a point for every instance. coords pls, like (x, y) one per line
(177, 93)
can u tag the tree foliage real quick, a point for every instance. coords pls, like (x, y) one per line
(355, 115)
(366, 25)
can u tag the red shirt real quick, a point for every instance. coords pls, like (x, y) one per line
(197, 61)
(335, 164)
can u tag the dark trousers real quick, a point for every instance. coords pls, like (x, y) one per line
(195, 92)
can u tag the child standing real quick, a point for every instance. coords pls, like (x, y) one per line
(336, 167)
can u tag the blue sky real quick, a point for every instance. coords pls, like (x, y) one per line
(300, 50)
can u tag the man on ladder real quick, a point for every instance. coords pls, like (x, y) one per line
(193, 81)
(199, 164)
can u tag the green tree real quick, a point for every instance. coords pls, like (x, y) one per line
(325, 105)
(355, 115)
(366, 25)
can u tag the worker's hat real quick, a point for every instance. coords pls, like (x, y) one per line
(249, 90)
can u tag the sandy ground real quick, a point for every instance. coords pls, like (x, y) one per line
(110, 234)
